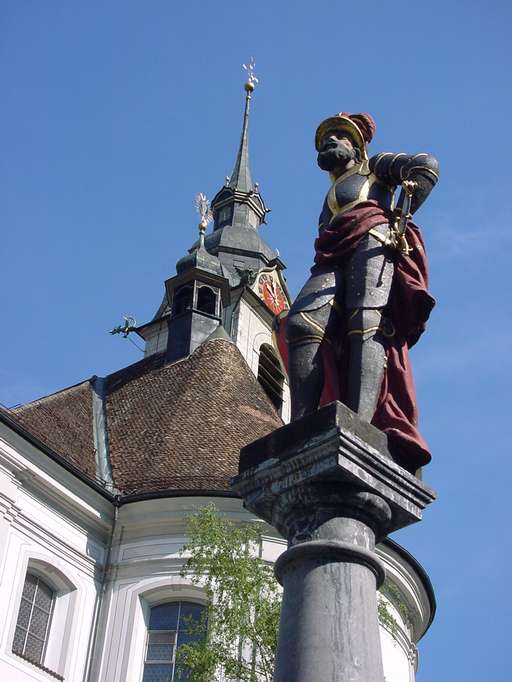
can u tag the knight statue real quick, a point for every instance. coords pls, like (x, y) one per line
(366, 302)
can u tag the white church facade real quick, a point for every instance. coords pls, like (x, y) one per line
(107, 563)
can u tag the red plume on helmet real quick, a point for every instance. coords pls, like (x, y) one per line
(364, 122)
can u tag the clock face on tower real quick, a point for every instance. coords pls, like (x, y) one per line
(272, 293)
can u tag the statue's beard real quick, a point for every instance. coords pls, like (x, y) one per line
(335, 158)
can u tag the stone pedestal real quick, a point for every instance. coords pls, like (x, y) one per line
(328, 484)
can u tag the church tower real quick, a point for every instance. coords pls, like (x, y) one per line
(197, 296)
(231, 282)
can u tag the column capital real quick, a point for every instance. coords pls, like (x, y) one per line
(329, 458)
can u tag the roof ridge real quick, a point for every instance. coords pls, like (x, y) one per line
(148, 360)
(45, 398)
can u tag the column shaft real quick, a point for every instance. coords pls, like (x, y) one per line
(329, 629)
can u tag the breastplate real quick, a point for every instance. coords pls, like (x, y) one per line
(356, 185)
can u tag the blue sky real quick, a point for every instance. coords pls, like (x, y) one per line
(116, 114)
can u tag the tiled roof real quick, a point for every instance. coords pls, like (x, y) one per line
(176, 426)
(63, 422)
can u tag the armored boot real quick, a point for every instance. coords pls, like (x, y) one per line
(306, 377)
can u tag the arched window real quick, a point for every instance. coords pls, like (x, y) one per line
(182, 300)
(34, 619)
(270, 375)
(44, 620)
(170, 625)
(206, 300)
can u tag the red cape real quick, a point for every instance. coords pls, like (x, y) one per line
(410, 306)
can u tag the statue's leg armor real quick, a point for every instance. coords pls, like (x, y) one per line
(310, 317)
(369, 277)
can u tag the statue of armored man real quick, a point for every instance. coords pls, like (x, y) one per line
(366, 302)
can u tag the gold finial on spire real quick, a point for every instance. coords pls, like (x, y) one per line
(252, 81)
(241, 176)
(205, 214)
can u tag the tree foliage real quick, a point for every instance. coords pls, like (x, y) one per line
(242, 616)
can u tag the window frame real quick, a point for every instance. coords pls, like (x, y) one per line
(213, 293)
(27, 630)
(161, 660)
(127, 637)
(61, 626)
(172, 662)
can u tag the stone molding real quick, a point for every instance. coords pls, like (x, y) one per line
(330, 550)
(331, 445)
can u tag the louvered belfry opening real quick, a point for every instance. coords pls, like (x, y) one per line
(270, 375)
(183, 300)
(206, 300)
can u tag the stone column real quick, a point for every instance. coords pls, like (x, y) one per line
(328, 484)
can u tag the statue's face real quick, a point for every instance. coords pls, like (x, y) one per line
(337, 152)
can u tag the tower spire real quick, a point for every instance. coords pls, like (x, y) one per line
(239, 203)
(241, 179)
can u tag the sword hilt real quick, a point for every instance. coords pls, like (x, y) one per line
(408, 187)
(403, 215)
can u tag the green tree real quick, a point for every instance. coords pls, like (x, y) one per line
(242, 615)
(241, 620)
